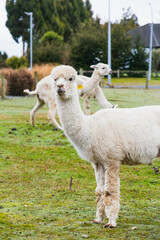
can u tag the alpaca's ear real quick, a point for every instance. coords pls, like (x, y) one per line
(93, 66)
(52, 73)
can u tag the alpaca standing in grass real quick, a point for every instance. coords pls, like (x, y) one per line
(96, 92)
(46, 96)
(106, 138)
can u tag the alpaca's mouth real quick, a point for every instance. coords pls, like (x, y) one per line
(60, 92)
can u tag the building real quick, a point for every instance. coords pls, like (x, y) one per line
(144, 33)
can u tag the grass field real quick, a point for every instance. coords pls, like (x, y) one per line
(132, 82)
(36, 166)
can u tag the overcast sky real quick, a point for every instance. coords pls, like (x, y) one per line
(99, 7)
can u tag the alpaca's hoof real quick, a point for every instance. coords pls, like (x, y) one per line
(108, 225)
(97, 222)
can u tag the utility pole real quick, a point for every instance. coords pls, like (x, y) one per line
(150, 47)
(109, 41)
(31, 26)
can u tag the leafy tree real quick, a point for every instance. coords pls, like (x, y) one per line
(139, 57)
(48, 53)
(18, 22)
(86, 45)
(60, 16)
(49, 49)
(120, 45)
(156, 60)
(50, 37)
(90, 43)
(88, 7)
(3, 57)
(129, 19)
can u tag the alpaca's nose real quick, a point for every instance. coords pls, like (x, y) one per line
(110, 72)
(60, 89)
(60, 86)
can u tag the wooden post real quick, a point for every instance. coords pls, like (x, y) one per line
(118, 73)
(35, 78)
(3, 85)
(81, 71)
(147, 80)
(70, 186)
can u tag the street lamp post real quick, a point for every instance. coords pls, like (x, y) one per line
(31, 26)
(109, 41)
(150, 47)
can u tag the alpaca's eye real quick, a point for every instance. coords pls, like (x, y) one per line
(103, 68)
(70, 79)
(55, 79)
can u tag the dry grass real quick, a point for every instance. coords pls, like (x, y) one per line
(42, 70)
(6, 71)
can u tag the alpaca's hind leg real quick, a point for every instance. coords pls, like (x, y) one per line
(51, 114)
(112, 192)
(86, 106)
(100, 179)
(34, 111)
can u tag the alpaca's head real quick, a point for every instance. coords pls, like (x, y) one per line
(65, 82)
(102, 69)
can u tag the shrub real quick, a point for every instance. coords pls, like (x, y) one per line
(15, 62)
(51, 37)
(18, 81)
(49, 53)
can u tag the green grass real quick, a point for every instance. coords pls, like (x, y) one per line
(131, 82)
(36, 165)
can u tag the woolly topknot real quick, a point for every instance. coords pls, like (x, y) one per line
(65, 71)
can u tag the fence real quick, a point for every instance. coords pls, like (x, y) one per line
(13, 84)
(121, 73)
(117, 74)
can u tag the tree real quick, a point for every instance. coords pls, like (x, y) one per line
(156, 59)
(3, 57)
(49, 49)
(60, 16)
(48, 53)
(90, 42)
(138, 57)
(129, 19)
(121, 44)
(50, 37)
(17, 22)
(86, 45)
(88, 7)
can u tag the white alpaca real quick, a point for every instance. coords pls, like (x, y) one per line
(106, 138)
(96, 92)
(45, 95)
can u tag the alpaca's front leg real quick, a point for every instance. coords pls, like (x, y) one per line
(112, 192)
(100, 179)
(52, 113)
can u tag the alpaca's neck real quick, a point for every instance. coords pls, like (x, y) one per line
(93, 82)
(71, 117)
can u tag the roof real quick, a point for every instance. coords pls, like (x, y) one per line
(144, 33)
